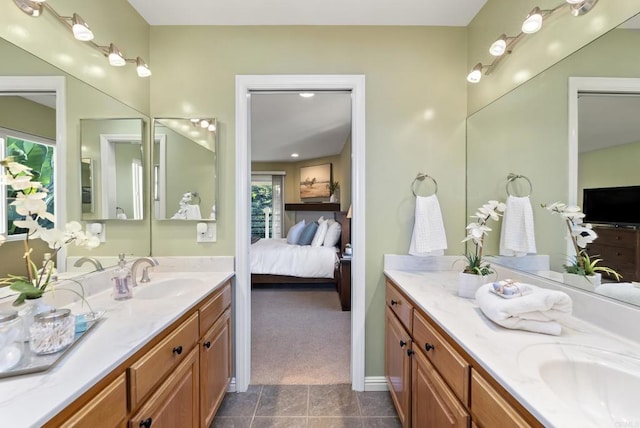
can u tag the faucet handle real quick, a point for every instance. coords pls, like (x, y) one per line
(145, 275)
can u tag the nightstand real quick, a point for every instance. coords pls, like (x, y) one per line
(344, 288)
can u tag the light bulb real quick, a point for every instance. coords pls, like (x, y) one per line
(476, 74)
(533, 23)
(212, 127)
(499, 47)
(142, 68)
(115, 56)
(204, 123)
(81, 30)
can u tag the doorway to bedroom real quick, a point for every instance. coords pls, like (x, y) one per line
(246, 85)
(300, 193)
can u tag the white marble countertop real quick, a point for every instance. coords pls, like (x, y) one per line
(32, 399)
(500, 351)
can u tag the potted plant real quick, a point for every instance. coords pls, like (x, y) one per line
(476, 269)
(333, 187)
(583, 270)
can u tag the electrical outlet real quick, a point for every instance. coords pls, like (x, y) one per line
(206, 232)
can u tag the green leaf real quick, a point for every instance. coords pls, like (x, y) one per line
(26, 288)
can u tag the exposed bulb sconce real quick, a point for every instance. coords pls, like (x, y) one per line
(532, 24)
(81, 31)
(208, 124)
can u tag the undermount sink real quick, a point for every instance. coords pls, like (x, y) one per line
(600, 384)
(163, 287)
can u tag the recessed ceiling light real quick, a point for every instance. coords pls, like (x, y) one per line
(294, 155)
(306, 94)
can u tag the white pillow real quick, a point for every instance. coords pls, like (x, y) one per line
(318, 238)
(293, 236)
(333, 235)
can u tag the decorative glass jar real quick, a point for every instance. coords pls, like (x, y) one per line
(51, 331)
(11, 344)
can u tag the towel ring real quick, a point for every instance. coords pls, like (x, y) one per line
(421, 177)
(512, 178)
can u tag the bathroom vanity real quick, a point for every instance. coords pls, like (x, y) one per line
(161, 358)
(448, 365)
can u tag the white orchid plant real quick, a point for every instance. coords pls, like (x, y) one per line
(476, 233)
(581, 234)
(29, 202)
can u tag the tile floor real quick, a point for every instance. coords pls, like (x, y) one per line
(314, 406)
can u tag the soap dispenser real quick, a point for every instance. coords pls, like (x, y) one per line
(122, 280)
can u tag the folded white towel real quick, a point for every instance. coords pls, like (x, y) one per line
(428, 238)
(518, 236)
(625, 291)
(193, 212)
(537, 311)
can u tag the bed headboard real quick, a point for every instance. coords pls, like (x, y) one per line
(345, 238)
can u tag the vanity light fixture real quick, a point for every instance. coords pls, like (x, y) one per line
(81, 31)
(208, 124)
(532, 24)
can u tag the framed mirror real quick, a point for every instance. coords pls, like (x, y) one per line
(184, 174)
(117, 175)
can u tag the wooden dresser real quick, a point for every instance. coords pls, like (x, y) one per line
(619, 249)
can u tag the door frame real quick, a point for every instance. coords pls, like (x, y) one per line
(245, 84)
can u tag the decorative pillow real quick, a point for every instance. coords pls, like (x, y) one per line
(333, 235)
(308, 233)
(318, 238)
(293, 237)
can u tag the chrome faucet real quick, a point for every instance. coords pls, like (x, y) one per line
(95, 262)
(145, 271)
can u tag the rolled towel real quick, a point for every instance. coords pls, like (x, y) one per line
(428, 238)
(517, 237)
(538, 311)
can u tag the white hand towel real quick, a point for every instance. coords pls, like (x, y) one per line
(428, 238)
(518, 236)
(537, 311)
(193, 212)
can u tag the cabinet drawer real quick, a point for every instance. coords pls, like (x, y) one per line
(108, 408)
(617, 237)
(614, 255)
(449, 363)
(161, 359)
(489, 409)
(211, 310)
(399, 305)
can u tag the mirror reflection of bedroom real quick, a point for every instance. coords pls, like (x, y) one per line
(300, 230)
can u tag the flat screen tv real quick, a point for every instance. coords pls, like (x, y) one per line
(618, 206)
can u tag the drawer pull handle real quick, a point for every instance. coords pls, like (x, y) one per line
(394, 302)
(428, 347)
(403, 343)
(146, 423)
(207, 344)
(177, 350)
(410, 352)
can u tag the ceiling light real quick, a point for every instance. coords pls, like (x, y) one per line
(306, 94)
(294, 155)
(116, 58)
(142, 68)
(29, 7)
(499, 46)
(81, 30)
(476, 74)
(533, 23)
(204, 123)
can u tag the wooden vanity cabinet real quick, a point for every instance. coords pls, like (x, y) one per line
(177, 380)
(443, 386)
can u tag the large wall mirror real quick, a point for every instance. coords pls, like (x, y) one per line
(37, 117)
(184, 182)
(112, 168)
(527, 132)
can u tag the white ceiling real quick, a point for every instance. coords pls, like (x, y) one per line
(308, 12)
(284, 123)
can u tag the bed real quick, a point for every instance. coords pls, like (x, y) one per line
(273, 261)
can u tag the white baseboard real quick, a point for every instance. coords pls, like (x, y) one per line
(375, 383)
(371, 383)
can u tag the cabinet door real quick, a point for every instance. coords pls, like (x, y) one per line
(215, 367)
(489, 408)
(175, 403)
(108, 408)
(397, 366)
(433, 402)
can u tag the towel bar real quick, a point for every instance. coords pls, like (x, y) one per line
(512, 178)
(421, 177)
